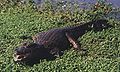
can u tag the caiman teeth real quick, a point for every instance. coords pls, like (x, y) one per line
(19, 58)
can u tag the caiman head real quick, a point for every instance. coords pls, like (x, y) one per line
(27, 51)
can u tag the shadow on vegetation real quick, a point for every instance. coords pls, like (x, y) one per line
(97, 25)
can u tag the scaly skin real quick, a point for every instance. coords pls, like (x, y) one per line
(59, 39)
(55, 41)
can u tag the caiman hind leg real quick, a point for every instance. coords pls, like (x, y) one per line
(76, 45)
(73, 41)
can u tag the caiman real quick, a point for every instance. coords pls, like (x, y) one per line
(53, 42)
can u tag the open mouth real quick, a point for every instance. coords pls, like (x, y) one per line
(18, 58)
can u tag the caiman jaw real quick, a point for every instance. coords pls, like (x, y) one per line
(18, 58)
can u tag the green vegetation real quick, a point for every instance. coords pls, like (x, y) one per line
(103, 47)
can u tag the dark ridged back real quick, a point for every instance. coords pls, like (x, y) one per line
(57, 37)
(53, 38)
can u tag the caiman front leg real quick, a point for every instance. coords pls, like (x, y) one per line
(73, 41)
(56, 52)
